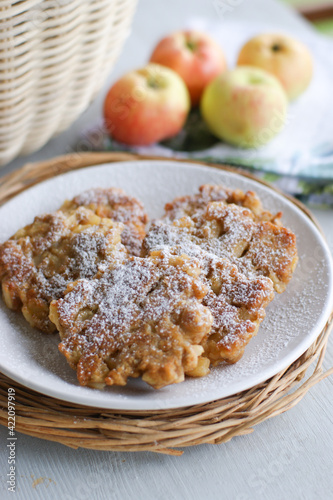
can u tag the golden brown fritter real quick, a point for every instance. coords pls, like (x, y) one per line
(142, 318)
(256, 247)
(194, 205)
(38, 262)
(243, 250)
(115, 204)
(237, 304)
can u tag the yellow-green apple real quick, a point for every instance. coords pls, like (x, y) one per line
(246, 106)
(194, 55)
(283, 56)
(146, 106)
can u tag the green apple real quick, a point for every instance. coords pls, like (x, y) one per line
(246, 106)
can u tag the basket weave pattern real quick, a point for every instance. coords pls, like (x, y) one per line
(157, 431)
(54, 57)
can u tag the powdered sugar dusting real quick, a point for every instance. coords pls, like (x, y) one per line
(115, 204)
(256, 247)
(40, 260)
(139, 318)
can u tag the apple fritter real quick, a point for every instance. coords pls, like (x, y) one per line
(115, 204)
(237, 304)
(143, 318)
(256, 247)
(38, 262)
(194, 205)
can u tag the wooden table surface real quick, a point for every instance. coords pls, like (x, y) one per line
(287, 457)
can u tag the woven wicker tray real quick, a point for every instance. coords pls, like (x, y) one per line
(158, 431)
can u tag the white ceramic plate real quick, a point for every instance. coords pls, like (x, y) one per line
(293, 321)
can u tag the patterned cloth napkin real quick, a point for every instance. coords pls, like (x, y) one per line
(299, 160)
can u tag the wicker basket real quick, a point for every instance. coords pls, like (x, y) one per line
(54, 57)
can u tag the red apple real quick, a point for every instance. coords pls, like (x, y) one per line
(196, 57)
(146, 106)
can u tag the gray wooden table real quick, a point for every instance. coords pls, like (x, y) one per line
(290, 456)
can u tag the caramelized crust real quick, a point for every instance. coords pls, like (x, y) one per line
(38, 262)
(194, 205)
(237, 304)
(257, 248)
(115, 204)
(143, 318)
(238, 307)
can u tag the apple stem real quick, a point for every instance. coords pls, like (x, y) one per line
(190, 45)
(153, 84)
